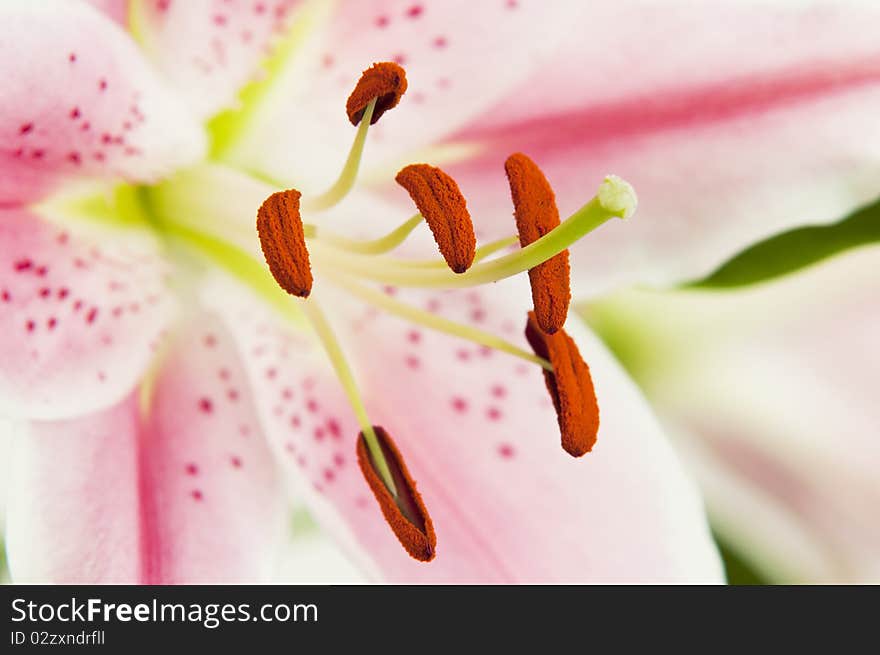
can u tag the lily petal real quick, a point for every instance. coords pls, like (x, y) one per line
(313, 557)
(208, 49)
(784, 429)
(479, 435)
(813, 496)
(73, 500)
(115, 9)
(8, 428)
(220, 521)
(80, 102)
(746, 143)
(461, 59)
(79, 317)
(172, 485)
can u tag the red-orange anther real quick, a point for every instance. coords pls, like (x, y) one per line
(570, 387)
(284, 245)
(406, 514)
(385, 81)
(536, 215)
(445, 210)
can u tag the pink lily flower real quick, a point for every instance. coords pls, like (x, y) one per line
(169, 404)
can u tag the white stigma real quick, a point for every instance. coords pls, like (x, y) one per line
(618, 197)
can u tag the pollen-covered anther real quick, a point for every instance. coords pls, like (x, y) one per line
(284, 245)
(386, 82)
(536, 214)
(406, 514)
(444, 208)
(570, 386)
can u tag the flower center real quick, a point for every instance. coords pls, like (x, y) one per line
(202, 209)
(290, 246)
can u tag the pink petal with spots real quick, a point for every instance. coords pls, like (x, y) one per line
(80, 316)
(461, 58)
(208, 49)
(172, 494)
(80, 102)
(479, 434)
(724, 144)
(213, 509)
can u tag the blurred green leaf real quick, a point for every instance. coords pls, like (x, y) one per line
(739, 572)
(796, 249)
